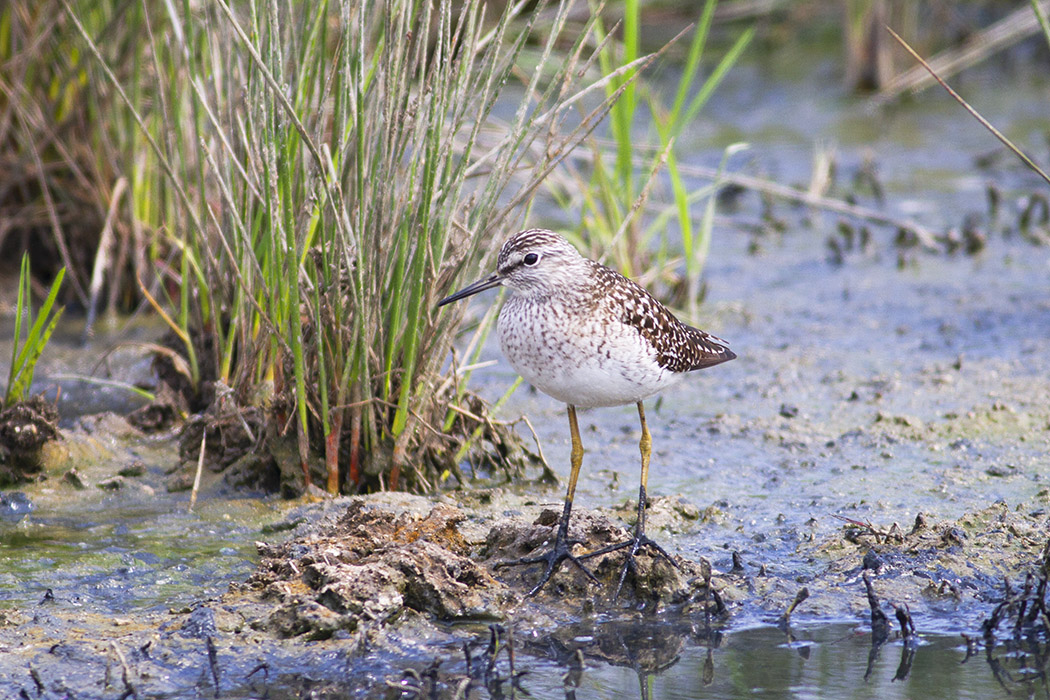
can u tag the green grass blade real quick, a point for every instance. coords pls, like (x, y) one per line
(35, 342)
(24, 380)
(728, 61)
(1044, 23)
(20, 311)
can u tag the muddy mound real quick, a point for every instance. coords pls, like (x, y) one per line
(384, 557)
(25, 427)
(372, 565)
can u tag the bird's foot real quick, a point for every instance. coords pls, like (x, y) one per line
(632, 546)
(561, 551)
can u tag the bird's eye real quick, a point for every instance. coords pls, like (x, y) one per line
(531, 259)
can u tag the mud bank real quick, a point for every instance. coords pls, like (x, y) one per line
(394, 595)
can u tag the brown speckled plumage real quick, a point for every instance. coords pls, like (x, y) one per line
(679, 347)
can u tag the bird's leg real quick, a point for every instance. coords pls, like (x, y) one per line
(640, 539)
(562, 546)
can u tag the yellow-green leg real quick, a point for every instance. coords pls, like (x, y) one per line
(562, 546)
(575, 462)
(645, 446)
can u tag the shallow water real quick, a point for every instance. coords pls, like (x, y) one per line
(831, 660)
(920, 389)
(128, 558)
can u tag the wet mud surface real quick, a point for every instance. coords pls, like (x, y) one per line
(394, 595)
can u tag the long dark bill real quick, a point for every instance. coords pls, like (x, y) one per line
(479, 286)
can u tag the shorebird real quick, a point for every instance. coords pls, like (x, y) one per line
(588, 336)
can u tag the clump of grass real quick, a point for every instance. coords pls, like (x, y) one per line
(27, 422)
(325, 173)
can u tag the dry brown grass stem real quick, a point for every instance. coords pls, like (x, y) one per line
(977, 115)
(1010, 30)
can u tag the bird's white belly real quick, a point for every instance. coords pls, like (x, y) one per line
(578, 360)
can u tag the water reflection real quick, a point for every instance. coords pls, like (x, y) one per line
(1016, 635)
(645, 646)
(685, 659)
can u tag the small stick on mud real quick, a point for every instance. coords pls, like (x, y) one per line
(784, 623)
(907, 624)
(493, 651)
(709, 592)
(800, 597)
(213, 662)
(920, 523)
(200, 469)
(125, 674)
(35, 675)
(880, 624)
(911, 642)
(548, 474)
(894, 533)
(515, 677)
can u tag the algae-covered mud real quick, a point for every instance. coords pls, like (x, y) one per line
(857, 506)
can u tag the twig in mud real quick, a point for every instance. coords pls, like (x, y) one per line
(920, 523)
(710, 593)
(515, 677)
(894, 533)
(923, 235)
(490, 423)
(464, 684)
(125, 674)
(1028, 609)
(972, 646)
(910, 642)
(200, 469)
(493, 651)
(35, 675)
(213, 662)
(800, 597)
(548, 473)
(903, 614)
(880, 625)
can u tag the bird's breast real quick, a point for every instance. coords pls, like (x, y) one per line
(579, 355)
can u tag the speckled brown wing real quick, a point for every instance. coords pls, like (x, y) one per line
(679, 348)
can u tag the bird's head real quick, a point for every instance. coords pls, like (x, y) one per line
(535, 262)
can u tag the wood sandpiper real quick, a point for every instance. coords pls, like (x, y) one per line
(588, 336)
